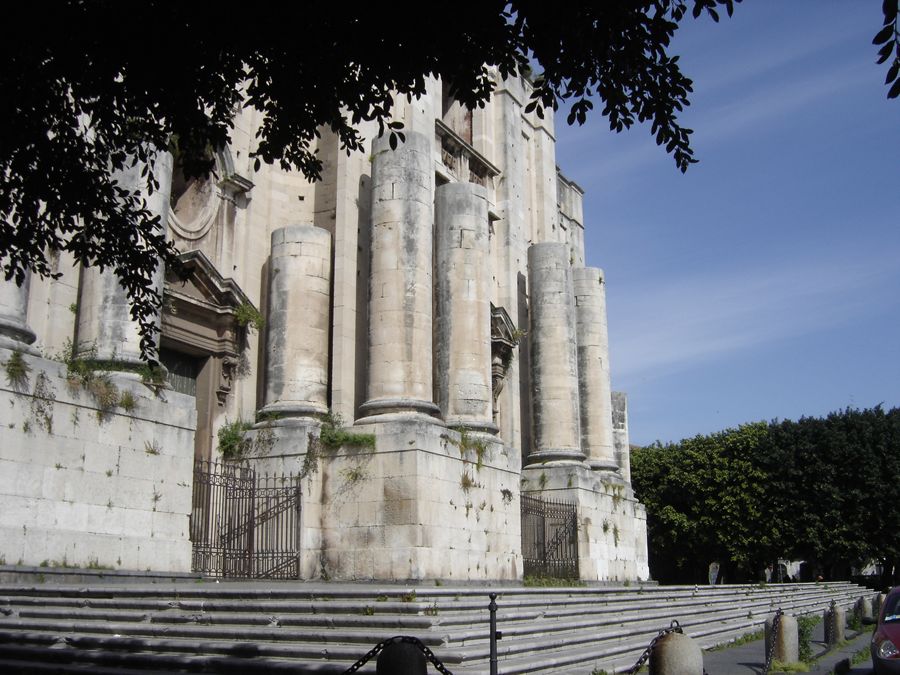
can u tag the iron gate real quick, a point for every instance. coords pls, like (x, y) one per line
(549, 538)
(243, 525)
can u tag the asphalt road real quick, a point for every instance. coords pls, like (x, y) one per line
(749, 659)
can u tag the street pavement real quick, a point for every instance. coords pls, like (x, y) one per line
(750, 658)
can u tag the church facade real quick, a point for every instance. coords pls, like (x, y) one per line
(428, 305)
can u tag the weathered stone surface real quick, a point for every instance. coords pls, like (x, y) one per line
(82, 488)
(676, 654)
(555, 401)
(593, 369)
(105, 330)
(787, 645)
(14, 330)
(299, 321)
(400, 284)
(463, 308)
(378, 309)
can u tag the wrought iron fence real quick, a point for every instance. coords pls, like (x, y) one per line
(244, 525)
(549, 538)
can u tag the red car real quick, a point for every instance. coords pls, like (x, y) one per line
(886, 638)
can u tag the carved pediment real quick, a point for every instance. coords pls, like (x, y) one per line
(200, 311)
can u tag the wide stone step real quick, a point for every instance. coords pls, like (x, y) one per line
(228, 628)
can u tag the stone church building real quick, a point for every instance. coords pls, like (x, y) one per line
(435, 298)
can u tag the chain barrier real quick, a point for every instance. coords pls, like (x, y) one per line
(776, 622)
(674, 627)
(376, 650)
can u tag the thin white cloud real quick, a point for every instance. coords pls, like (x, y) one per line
(765, 104)
(699, 319)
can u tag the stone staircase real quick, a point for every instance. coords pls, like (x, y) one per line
(244, 627)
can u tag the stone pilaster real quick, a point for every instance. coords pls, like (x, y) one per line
(593, 369)
(14, 330)
(554, 360)
(299, 320)
(463, 308)
(620, 434)
(105, 328)
(400, 284)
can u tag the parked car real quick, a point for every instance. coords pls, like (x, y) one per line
(886, 638)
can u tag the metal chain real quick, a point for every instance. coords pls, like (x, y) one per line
(776, 622)
(674, 627)
(400, 638)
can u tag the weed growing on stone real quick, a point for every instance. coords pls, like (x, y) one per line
(737, 642)
(408, 597)
(127, 401)
(17, 370)
(153, 376)
(248, 316)
(232, 443)
(333, 434)
(466, 482)
(151, 447)
(354, 474)
(42, 402)
(468, 444)
(507, 495)
(779, 667)
(805, 625)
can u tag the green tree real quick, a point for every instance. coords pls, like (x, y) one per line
(821, 490)
(87, 91)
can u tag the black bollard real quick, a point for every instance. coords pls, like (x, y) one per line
(401, 658)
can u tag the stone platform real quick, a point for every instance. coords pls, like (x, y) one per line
(324, 628)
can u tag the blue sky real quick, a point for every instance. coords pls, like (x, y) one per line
(764, 283)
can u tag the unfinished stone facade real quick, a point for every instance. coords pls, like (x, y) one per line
(434, 296)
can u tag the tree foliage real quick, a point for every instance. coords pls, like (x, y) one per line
(93, 87)
(821, 490)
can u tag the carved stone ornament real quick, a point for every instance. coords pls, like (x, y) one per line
(504, 339)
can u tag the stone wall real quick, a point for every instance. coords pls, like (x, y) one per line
(93, 474)
(426, 502)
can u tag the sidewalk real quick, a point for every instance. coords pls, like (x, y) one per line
(749, 659)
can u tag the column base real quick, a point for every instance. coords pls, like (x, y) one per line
(282, 411)
(398, 409)
(475, 426)
(556, 457)
(603, 465)
(16, 345)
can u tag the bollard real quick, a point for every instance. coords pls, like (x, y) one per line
(877, 603)
(401, 658)
(835, 619)
(787, 642)
(864, 608)
(676, 654)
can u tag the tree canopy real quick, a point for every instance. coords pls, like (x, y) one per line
(92, 86)
(822, 490)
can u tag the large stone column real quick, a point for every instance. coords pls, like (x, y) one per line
(105, 328)
(463, 308)
(554, 361)
(14, 330)
(400, 282)
(593, 369)
(620, 434)
(299, 320)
